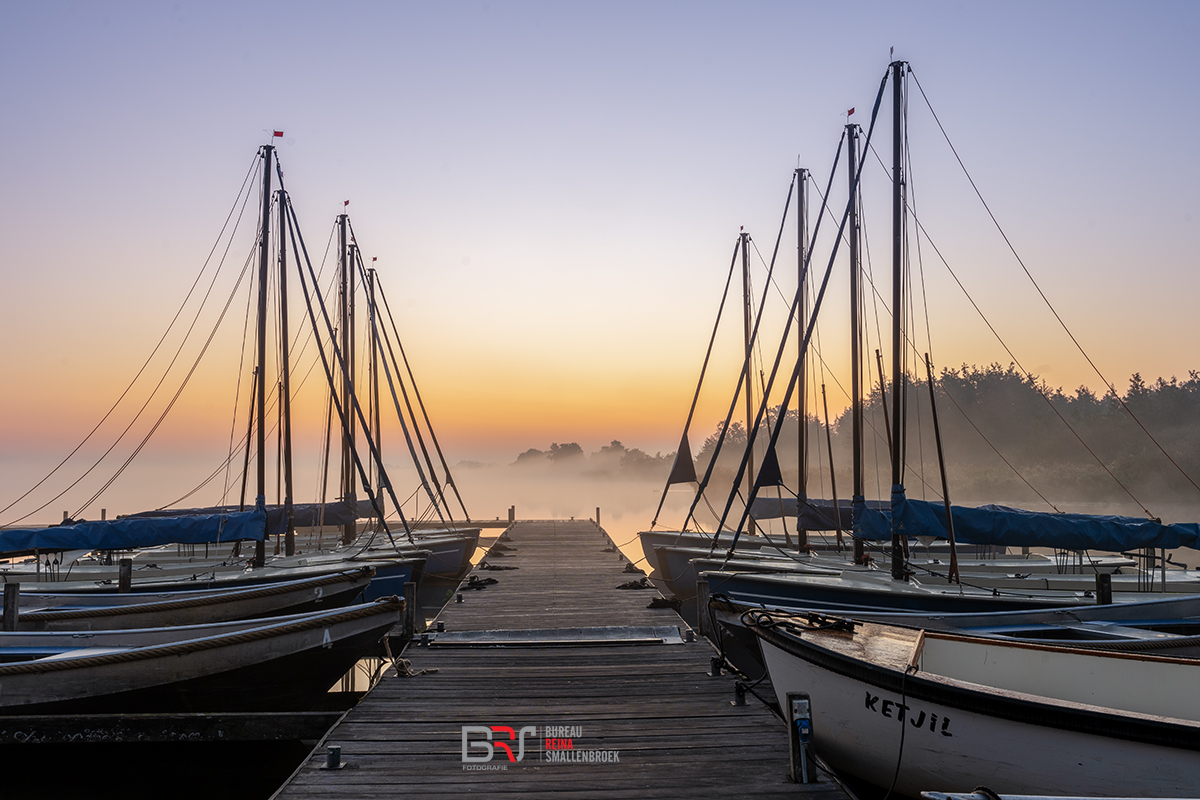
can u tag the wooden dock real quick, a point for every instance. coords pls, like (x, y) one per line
(555, 643)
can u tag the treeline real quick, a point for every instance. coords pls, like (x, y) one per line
(1006, 439)
(1061, 445)
(611, 460)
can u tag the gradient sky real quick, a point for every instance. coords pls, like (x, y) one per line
(553, 190)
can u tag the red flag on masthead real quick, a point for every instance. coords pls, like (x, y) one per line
(850, 113)
(345, 203)
(277, 134)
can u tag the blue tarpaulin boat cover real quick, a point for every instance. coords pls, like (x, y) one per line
(305, 515)
(816, 514)
(131, 532)
(1015, 527)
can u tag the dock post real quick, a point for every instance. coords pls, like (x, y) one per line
(125, 575)
(512, 514)
(597, 516)
(1103, 589)
(800, 738)
(703, 617)
(410, 610)
(12, 605)
(103, 514)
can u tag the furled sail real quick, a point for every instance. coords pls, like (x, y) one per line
(131, 532)
(1015, 527)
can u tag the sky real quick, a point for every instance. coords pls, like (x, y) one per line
(552, 192)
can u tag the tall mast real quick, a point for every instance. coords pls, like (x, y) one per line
(350, 529)
(801, 393)
(856, 410)
(260, 502)
(897, 302)
(285, 395)
(377, 428)
(746, 325)
(351, 419)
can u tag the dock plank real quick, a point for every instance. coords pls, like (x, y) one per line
(673, 727)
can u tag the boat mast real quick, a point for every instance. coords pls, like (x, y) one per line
(856, 409)
(747, 315)
(801, 393)
(260, 502)
(898, 572)
(350, 529)
(285, 394)
(377, 431)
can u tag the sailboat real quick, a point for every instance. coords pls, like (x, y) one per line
(909, 710)
(423, 556)
(277, 664)
(781, 574)
(75, 611)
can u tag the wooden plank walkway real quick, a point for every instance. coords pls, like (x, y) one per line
(673, 728)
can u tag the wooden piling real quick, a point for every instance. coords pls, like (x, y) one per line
(703, 618)
(410, 610)
(12, 605)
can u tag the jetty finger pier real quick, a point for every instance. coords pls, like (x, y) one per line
(552, 682)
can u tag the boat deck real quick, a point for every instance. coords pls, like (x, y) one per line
(555, 643)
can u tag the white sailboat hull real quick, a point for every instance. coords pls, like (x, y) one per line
(858, 724)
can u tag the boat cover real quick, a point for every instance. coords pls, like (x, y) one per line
(1015, 527)
(131, 532)
(306, 515)
(815, 514)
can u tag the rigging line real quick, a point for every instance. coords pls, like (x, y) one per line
(372, 317)
(301, 252)
(420, 402)
(161, 380)
(195, 283)
(439, 501)
(322, 487)
(869, 275)
(379, 336)
(237, 395)
(762, 384)
(1045, 299)
(229, 459)
(1028, 374)
(295, 233)
(910, 201)
(790, 384)
(729, 417)
(912, 345)
(745, 372)
(882, 437)
(187, 378)
(880, 299)
(821, 364)
(237, 398)
(205, 482)
(770, 279)
(949, 396)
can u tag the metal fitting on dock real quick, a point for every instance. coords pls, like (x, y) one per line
(333, 758)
